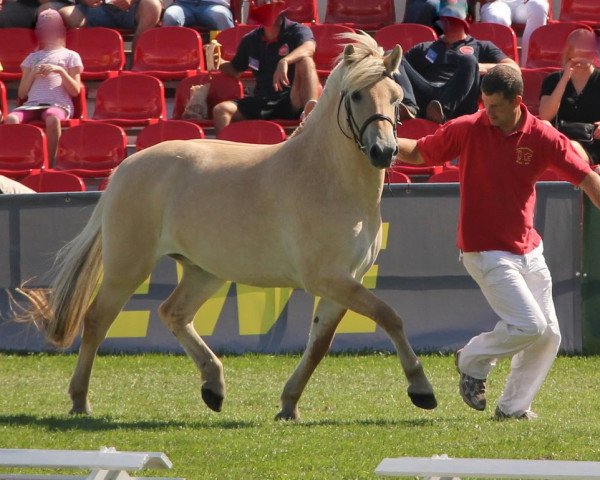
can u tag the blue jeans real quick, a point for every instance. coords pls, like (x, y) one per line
(183, 13)
(109, 16)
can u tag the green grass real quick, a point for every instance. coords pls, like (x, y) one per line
(354, 413)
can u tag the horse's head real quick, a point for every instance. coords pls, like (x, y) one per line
(369, 100)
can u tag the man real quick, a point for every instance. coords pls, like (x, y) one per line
(502, 150)
(280, 55)
(22, 13)
(445, 73)
(424, 12)
(533, 13)
(137, 15)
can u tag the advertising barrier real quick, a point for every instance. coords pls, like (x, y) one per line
(418, 273)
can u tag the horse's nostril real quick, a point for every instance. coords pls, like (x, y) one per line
(375, 152)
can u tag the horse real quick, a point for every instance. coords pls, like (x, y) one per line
(303, 214)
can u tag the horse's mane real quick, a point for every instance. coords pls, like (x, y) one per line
(365, 64)
(363, 67)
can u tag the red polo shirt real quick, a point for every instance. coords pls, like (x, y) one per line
(497, 177)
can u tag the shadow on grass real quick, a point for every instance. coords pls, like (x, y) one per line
(377, 422)
(59, 423)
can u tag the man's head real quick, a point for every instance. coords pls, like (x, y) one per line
(266, 12)
(502, 94)
(453, 16)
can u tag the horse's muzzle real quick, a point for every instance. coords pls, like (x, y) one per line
(382, 157)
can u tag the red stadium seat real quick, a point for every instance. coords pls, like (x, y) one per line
(415, 129)
(230, 39)
(328, 45)
(407, 35)
(130, 100)
(23, 149)
(167, 130)
(253, 131)
(302, 11)
(366, 15)
(3, 101)
(500, 35)
(532, 86)
(447, 176)
(101, 51)
(15, 45)
(168, 53)
(582, 11)
(79, 111)
(52, 181)
(91, 149)
(222, 87)
(394, 176)
(547, 43)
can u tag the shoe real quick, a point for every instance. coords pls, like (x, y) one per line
(472, 390)
(526, 415)
(406, 112)
(434, 112)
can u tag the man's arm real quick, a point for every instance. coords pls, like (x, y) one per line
(408, 151)
(485, 67)
(591, 186)
(280, 77)
(228, 69)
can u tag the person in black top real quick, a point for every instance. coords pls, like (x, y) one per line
(573, 94)
(279, 53)
(445, 74)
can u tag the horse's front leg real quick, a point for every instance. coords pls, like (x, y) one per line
(327, 318)
(350, 293)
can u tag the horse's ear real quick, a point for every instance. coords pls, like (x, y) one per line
(348, 52)
(392, 61)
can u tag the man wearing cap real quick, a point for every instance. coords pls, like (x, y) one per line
(502, 151)
(280, 55)
(445, 73)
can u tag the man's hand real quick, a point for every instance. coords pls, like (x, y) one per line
(124, 5)
(280, 77)
(92, 3)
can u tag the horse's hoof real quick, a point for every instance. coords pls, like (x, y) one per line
(213, 400)
(426, 401)
(77, 410)
(287, 416)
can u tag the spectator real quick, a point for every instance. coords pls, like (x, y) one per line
(210, 14)
(9, 187)
(424, 12)
(22, 13)
(279, 53)
(51, 76)
(137, 15)
(445, 74)
(533, 13)
(571, 98)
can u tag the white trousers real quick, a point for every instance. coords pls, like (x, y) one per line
(533, 13)
(519, 290)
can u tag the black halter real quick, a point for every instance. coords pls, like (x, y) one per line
(357, 132)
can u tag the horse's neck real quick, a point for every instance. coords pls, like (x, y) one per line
(335, 157)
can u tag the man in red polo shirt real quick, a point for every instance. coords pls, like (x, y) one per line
(502, 151)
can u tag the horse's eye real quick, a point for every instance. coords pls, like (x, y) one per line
(356, 96)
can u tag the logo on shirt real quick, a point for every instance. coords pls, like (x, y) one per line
(524, 155)
(466, 50)
(284, 50)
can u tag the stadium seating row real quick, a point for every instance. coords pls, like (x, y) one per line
(173, 53)
(93, 150)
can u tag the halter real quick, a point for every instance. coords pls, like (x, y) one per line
(357, 132)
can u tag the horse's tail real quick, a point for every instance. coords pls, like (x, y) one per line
(61, 309)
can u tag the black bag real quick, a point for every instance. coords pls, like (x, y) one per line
(578, 131)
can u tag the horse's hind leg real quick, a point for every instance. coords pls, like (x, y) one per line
(177, 313)
(322, 330)
(351, 294)
(114, 292)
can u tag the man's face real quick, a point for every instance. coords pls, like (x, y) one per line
(501, 111)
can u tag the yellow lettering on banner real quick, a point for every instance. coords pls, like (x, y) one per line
(260, 308)
(385, 228)
(206, 318)
(130, 324)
